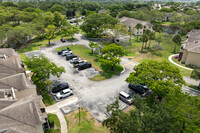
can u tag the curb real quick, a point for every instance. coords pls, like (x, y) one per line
(192, 89)
(170, 59)
(123, 70)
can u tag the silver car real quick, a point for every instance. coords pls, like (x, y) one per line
(125, 97)
(64, 53)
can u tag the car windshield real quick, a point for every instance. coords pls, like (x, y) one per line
(128, 97)
(62, 93)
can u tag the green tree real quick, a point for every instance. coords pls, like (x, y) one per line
(177, 40)
(161, 77)
(138, 27)
(42, 68)
(58, 19)
(144, 39)
(70, 30)
(49, 31)
(95, 24)
(111, 55)
(182, 32)
(57, 7)
(196, 75)
(93, 45)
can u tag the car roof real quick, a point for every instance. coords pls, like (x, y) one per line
(66, 90)
(124, 94)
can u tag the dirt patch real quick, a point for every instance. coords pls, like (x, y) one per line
(73, 120)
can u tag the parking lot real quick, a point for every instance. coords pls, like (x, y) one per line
(95, 96)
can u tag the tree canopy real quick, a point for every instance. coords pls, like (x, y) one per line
(161, 77)
(111, 55)
(96, 23)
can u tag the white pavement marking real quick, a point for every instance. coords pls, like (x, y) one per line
(170, 59)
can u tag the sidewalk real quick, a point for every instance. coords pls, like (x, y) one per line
(170, 59)
(55, 109)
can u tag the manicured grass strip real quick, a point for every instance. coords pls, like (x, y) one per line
(86, 54)
(53, 119)
(35, 44)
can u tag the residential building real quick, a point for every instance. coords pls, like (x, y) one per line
(131, 23)
(21, 109)
(190, 49)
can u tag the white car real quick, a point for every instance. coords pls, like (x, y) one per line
(74, 59)
(64, 93)
(64, 53)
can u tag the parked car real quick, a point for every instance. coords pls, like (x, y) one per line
(62, 40)
(83, 17)
(84, 65)
(61, 51)
(66, 53)
(74, 59)
(141, 89)
(64, 93)
(125, 97)
(75, 63)
(59, 88)
(70, 56)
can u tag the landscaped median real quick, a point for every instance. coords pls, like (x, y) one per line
(85, 53)
(87, 123)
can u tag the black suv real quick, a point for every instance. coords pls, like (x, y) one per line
(59, 88)
(84, 65)
(60, 52)
(70, 56)
(141, 89)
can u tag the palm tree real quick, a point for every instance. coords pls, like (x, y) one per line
(151, 37)
(144, 39)
(138, 26)
(147, 32)
(177, 40)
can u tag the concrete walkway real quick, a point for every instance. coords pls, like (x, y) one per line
(55, 109)
(170, 59)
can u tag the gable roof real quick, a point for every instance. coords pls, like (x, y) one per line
(11, 65)
(133, 22)
(8, 52)
(17, 81)
(22, 116)
(192, 43)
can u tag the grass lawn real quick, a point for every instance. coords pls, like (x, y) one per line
(133, 51)
(53, 119)
(86, 54)
(87, 124)
(35, 44)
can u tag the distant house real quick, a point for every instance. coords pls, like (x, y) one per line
(21, 109)
(190, 49)
(131, 23)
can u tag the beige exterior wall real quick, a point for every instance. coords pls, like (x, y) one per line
(193, 58)
(145, 27)
(185, 53)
